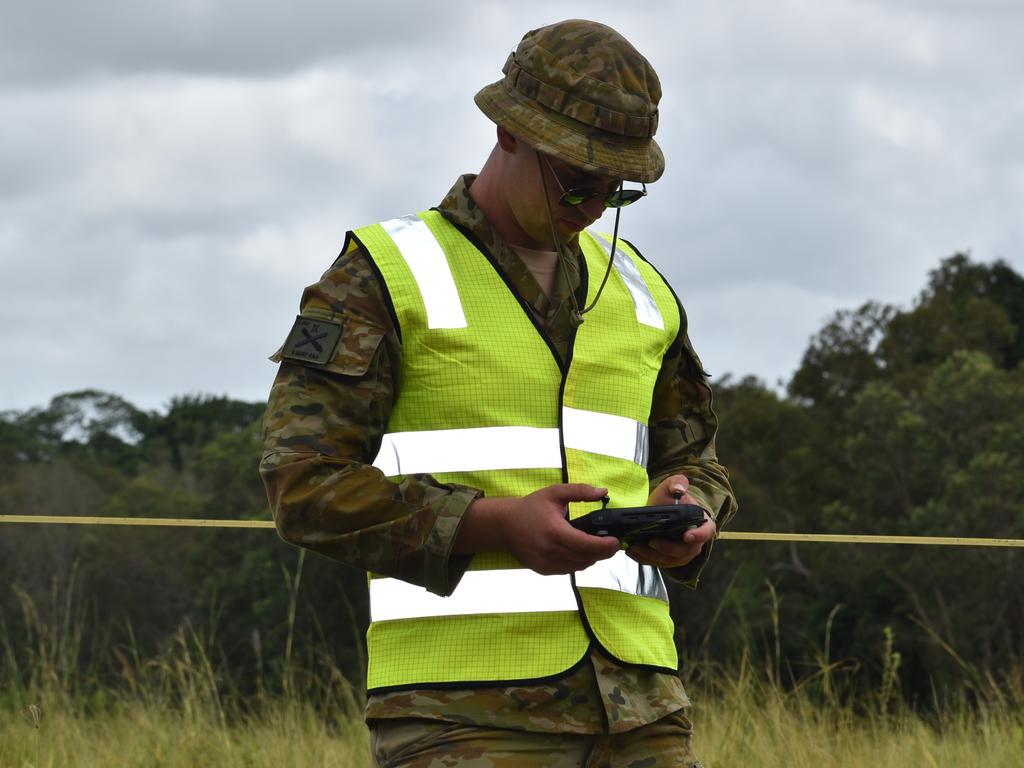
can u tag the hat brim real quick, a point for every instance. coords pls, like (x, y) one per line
(576, 143)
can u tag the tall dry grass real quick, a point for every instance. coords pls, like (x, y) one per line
(283, 733)
(63, 705)
(757, 713)
(179, 708)
(747, 719)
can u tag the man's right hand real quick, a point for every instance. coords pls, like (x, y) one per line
(534, 529)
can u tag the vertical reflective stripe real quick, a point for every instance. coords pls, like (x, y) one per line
(623, 574)
(479, 592)
(643, 445)
(606, 434)
(647, 311)
(430, 268)
(468, 450)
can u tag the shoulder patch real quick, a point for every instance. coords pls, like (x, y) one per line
(312, 340)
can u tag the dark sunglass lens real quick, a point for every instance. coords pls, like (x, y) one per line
(621, 199)
(616, 199)
(575, 197)
(624, 197)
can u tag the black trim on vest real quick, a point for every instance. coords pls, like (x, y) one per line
(344, 248)
(571, 348)
(561, 412)
(679, 305)
(677, 345)
(584, 288)
(388, 301)
(484, 683)
(501, 273)
(604, 651)
(580, 609)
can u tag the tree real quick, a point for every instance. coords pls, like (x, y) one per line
(191, 422)
(842, 358)
(965, 306)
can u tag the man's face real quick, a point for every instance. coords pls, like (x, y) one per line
(533, 175)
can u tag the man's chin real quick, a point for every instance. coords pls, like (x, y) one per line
(570, 229)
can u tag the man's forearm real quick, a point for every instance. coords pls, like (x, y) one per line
(482, 527)
(347, 511)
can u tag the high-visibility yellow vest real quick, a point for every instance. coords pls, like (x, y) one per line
(483, 401)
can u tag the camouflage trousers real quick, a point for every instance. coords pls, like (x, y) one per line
(419, 743)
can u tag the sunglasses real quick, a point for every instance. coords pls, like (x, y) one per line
(620, 198)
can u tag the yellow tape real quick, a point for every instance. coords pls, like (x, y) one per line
(827, 538)
(161, 521)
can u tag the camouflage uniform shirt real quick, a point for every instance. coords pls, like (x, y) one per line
(324, 425)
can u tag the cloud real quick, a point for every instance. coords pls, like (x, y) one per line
(52, 41)
(786, 315)
(160, 229)
(174, 174)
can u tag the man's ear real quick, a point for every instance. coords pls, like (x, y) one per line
(507, 141)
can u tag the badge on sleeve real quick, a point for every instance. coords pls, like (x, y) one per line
(312, 340)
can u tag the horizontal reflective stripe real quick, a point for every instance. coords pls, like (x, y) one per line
(512, 591)
(430, 268)
(509, 591)
(623, 574)
(477, 449)
(606, 434)
(647, 311)
(468, 450)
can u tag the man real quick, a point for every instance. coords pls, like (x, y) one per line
(462, 380)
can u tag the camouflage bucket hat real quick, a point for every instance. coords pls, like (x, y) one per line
(580, 91)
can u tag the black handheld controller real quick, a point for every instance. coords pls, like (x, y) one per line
(630, 524)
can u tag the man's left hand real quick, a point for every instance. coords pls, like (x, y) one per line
(668, 553)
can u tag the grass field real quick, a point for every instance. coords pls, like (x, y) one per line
(180, 708)
(746, 721)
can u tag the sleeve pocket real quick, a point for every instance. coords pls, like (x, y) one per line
(339, 345)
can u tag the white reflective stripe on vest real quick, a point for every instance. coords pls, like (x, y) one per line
(468, 450)
(509, 591)
(606, 434)
(623, 574)
(478, 449)
(430, 268)
(647, 311)
(516, 590)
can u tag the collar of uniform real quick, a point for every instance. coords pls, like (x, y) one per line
(460, 208)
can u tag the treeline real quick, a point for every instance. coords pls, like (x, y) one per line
(105, 598)
(901, 422)
(898, 421)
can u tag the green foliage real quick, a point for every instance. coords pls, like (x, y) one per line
(191, 423)
(965, 306)
(842, 357)
(897, 422)
(91, 453)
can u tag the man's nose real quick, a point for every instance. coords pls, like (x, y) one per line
(593, 208)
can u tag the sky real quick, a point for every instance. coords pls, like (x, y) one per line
(173, 174)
